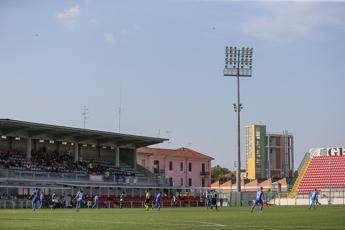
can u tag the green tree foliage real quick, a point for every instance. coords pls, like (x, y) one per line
(218, 173)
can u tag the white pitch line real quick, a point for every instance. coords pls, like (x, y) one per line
(209, 223)
(205, 224)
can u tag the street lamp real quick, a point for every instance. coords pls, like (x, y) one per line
(238, 63)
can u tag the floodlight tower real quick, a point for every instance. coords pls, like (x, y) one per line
(85, 113)
(238, 63)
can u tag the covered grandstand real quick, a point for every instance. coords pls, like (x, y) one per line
(62, 159)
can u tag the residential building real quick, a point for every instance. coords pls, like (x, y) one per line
(180, 167)
(255, 152)
(268, 155)
(280, 151)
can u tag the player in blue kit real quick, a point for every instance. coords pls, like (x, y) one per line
(41, 199)
(35, 199)
(158, 201)
(313, 199)
(259, 200)
(79, 198)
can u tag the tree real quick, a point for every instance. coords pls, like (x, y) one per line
(218, 173)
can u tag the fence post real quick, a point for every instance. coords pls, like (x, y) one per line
(131, 204)
(180, 204)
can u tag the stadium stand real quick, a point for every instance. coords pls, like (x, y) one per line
(63, 167)
(33, 154)
(323, 172)
(61, 160)
(44, 162)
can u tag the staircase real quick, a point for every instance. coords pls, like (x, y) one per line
(301, 171)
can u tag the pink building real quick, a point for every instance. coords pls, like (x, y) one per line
(179, 167)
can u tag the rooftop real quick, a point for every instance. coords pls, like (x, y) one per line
(10, 127)
(180, 152)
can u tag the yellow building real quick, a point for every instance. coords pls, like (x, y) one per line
(255, 152)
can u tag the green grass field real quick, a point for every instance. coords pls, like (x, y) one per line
(324, 217)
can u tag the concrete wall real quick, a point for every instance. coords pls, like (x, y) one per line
(4, 145)
(19, 145)
(88, 152)
(305, 201)
(127, 155)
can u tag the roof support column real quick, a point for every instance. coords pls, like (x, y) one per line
(135, 158)
(35, 145)
(10, 144)
(28, 148)
(76, 152)
(58, 147)
(117, 156)
(99, 151)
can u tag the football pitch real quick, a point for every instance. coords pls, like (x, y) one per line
(323, 217)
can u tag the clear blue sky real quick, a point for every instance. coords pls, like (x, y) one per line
(57, 56)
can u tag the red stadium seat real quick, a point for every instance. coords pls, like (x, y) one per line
(323, 172)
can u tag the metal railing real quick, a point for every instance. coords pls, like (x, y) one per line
(73, 177)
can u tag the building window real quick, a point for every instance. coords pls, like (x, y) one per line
(190, 166)
(156, 166)
(203, 168)
(202, 182)
(181, 166)
(181, 182)
(190, 182)
(171, 183)
(143, 163)
(170, 165)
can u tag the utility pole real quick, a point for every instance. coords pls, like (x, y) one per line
(120, 109)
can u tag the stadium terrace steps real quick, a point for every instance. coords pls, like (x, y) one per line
(302, 171)
(18, 167)
(323, 172)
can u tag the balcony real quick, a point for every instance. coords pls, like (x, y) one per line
(204, 173)
(158, 171)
